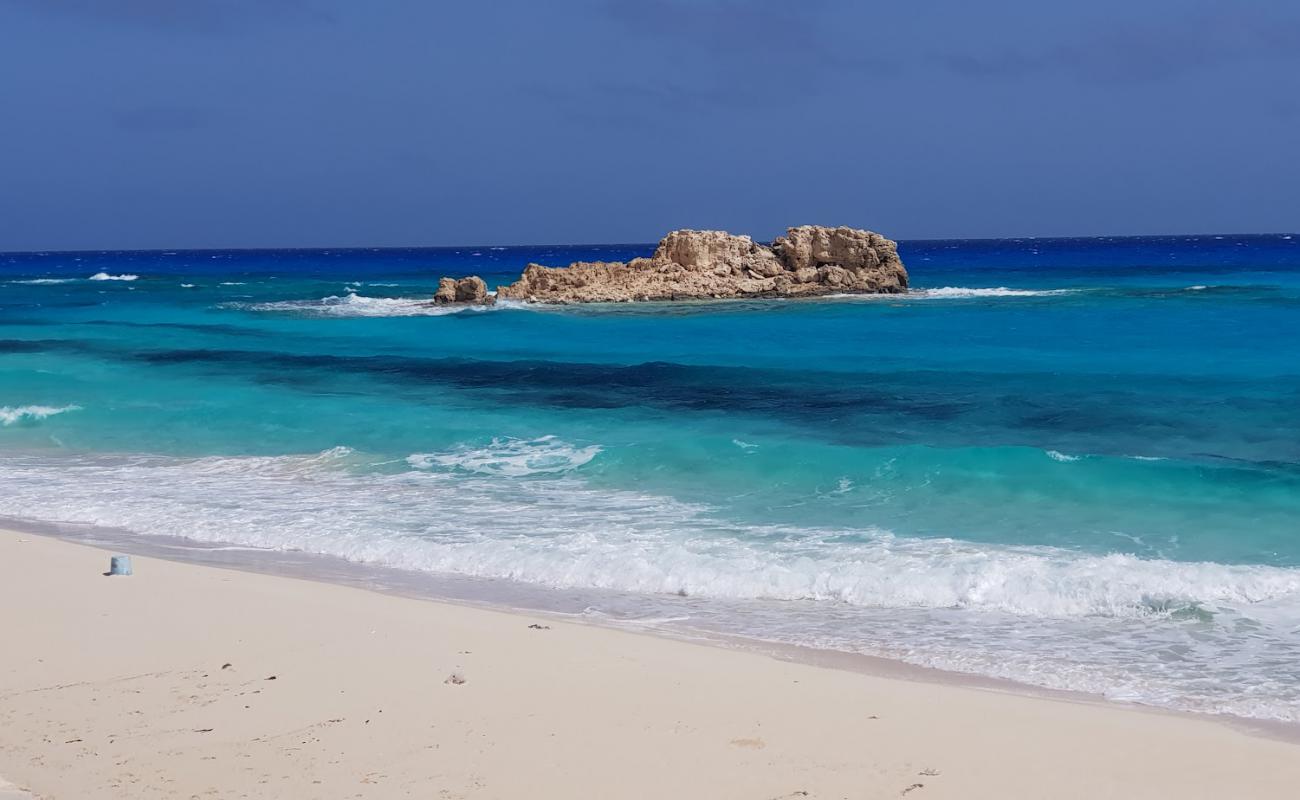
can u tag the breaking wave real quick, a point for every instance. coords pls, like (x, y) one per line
(472, 518)
(104, 276)
(953, 293)
(10, 415)
(356, 305)
(959, 292)
(1057, 455)
(1042, 615)
(513, 458)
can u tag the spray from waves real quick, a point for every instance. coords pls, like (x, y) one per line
(961, 292)
(355, 305)
(953, 293)
(1066, 458)
(1057, 455)
(10, 415)
(104, 276)
(513, 458)
(42, 281)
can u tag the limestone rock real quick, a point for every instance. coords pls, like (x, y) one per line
(471, 290)
(814, 246)
(446, 291)
(465, 290)
(706, 251)
(809, 260)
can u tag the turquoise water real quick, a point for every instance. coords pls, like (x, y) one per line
(1074, 463)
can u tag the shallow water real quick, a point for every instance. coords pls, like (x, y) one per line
(1072, 463)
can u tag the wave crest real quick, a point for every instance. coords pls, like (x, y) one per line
(10, 415)
(513, 458)
(1042, 615)
(1057, 455)
(104, 276)
(356, 305)
(960, 292)
(563, 532)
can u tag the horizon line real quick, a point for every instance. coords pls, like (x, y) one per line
(372, 248)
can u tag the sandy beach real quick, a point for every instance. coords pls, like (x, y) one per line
(191, 681)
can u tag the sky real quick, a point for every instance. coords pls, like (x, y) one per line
(305, 123)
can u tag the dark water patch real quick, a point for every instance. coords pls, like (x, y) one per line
(213, 328)
(47, 304)
(1163, 416)
(944, 409)
(1079, 415)
(1263, 471)
(43, 346)
(1252, 291)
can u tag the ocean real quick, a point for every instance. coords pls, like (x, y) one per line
(1071, 463)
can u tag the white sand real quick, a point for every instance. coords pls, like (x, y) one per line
(10, 792)
(117, 687)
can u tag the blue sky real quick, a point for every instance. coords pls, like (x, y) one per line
(255, 123)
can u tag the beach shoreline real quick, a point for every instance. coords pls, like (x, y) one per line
(105, 685)
(516, 598)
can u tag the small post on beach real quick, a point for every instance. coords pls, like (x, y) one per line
(119, 565)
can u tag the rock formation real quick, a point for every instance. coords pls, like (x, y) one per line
(688, 265)
(464, 290)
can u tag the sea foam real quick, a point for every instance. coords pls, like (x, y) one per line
(10, 415)
(521, 510)
(104, 276)
(509, 457)
(1057, 455)
(952, 293)
(563, 532)
(962, 292)
(356, 305)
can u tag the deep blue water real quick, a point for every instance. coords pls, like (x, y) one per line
(1072, 462)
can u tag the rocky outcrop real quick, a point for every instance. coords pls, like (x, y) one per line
(690, 265)
(807, 261)
(463, 290)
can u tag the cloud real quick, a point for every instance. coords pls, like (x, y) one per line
(771, 35)
(1121, 53)
(636, 103)
(686, 58)
(188, 16)
(722, 24)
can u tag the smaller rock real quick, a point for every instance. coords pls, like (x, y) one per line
(446, 291)
(471, 290)
(462, 290)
